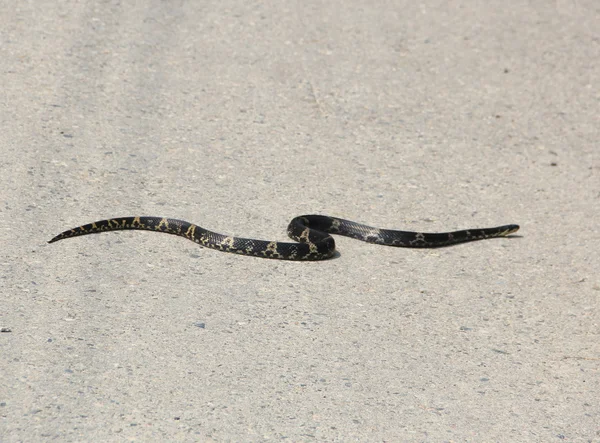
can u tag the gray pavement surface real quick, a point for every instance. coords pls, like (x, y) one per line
(239, 116)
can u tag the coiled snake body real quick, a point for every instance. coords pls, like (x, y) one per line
(311, 231)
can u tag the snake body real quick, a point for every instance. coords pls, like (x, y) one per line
(310, 231)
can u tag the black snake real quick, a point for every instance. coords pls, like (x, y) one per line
(311, 231)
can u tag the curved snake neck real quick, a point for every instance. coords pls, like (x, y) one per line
(312, 232)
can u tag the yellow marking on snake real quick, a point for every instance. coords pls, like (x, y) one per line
(190, 232)
(271, 247)
(163, 222)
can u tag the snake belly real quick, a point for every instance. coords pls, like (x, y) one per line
(312, 232)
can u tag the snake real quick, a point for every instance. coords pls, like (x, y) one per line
(312, 232)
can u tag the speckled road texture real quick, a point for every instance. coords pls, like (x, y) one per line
(239, 116)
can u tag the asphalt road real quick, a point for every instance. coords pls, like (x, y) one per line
(238, 116)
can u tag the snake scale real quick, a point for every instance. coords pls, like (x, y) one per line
(311, 231)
